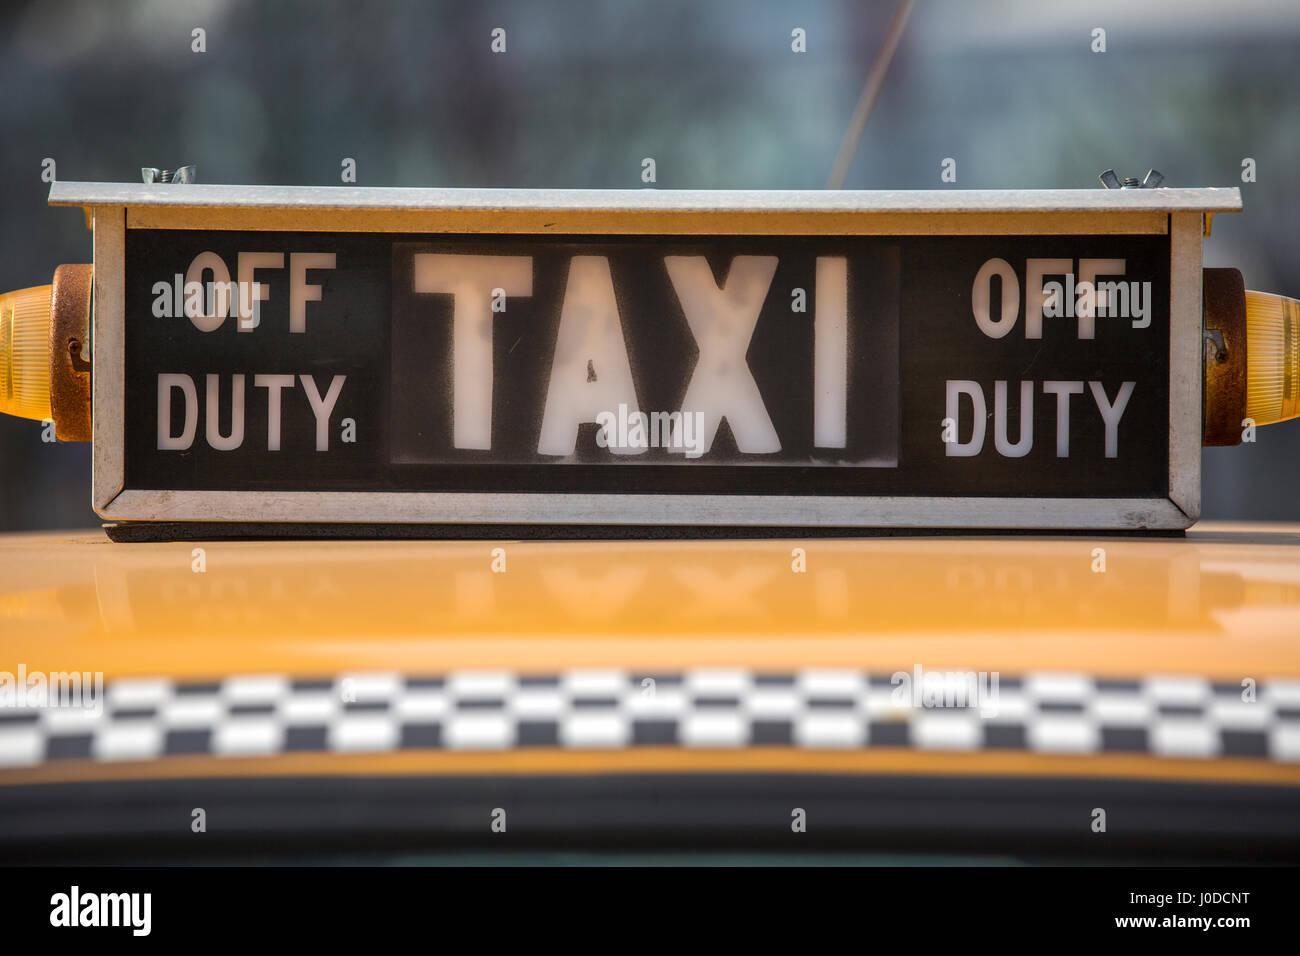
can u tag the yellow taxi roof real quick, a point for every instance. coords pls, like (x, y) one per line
(1221, 605)
(1223, 602)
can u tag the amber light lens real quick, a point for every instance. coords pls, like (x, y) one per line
(1272, 357)
(25, 352)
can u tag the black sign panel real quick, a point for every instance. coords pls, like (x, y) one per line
(821, 365)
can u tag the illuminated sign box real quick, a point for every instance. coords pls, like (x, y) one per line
(988, 359)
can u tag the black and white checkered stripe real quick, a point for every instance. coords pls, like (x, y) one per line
(1054, 713)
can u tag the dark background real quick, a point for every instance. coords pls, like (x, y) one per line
(712, 91)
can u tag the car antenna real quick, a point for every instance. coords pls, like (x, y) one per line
(867, 101)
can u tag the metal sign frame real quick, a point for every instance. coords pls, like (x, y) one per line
(1181, 214)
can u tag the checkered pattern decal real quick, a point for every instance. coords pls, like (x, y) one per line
(1043, 713)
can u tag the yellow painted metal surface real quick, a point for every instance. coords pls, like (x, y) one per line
(543, 761)
(1222, 603)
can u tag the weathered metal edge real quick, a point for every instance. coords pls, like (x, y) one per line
(648, 200)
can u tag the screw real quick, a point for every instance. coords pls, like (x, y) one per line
(79, 364)
(1216, 348)
(183, 174)
(1152, 179)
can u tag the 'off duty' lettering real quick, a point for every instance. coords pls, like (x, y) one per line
(1078, 296)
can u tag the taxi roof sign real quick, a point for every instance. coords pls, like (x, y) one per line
(978, 358)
